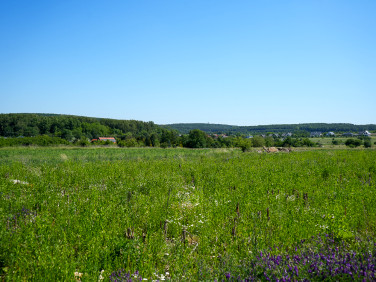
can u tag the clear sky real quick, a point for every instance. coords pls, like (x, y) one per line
(231, 62)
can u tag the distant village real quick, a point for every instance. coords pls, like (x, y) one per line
(315, 134)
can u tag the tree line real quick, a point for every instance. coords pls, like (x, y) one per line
(302, 129)
(77, 129)
(50, 129)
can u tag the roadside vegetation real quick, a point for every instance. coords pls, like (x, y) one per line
(124, 214)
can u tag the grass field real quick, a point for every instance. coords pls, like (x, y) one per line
(109, 213)
(327, 141)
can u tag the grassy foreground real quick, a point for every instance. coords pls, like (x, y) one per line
(109, 213)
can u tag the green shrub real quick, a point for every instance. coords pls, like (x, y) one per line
(367, 144)
(335, 142)
(352, 143)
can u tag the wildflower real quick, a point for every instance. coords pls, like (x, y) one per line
(100, 278)
(78, 276)
(16, 181)
(291, 198)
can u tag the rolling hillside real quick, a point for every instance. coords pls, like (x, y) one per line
(260, 129)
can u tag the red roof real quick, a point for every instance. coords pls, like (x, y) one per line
(107, 138)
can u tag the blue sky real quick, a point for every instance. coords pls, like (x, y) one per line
(230, 62)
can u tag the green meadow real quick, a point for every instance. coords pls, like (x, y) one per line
(71, 214)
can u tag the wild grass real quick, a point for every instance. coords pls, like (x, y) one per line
(84, 213)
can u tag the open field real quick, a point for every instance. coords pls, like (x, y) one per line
(205, 214)
(327, 141)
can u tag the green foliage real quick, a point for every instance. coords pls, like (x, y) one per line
(72, 128)
(258, 141)
(197, 214)
(367, 144)
(352, 143)
(269, 141)
(245, 144)
(300, 130)
(83, 142)
(130, 142)
(196, 139)
(41, 140)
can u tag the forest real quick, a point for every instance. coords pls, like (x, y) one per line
(303, 129)
(52, 129)
(80, 129)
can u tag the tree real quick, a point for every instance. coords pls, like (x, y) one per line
(288, 142)
(67, 134)
(154, 140)
(196, 139)
(258, 141)
(269, 141)
(31, 131)
(245, 145)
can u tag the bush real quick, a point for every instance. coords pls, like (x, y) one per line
(164, 145)
(245, 145)
(41, 140)
(131, 142)
(83, 142)
(367, 144)
(258, 141)
(308, 143)
(352, 143)
(335, 142)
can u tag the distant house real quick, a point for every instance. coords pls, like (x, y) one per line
(111, 139)
(288, 134)
(348, 134)
(365, 133)
(316, 134)
(249, 137)
(330, 134)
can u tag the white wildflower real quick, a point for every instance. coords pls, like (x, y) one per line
(291, 198)
(16, 181)
(100, 278)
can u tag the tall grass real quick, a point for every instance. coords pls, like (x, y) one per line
(184, 214)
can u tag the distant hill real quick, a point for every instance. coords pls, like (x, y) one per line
(70, 126)
(277, 128)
